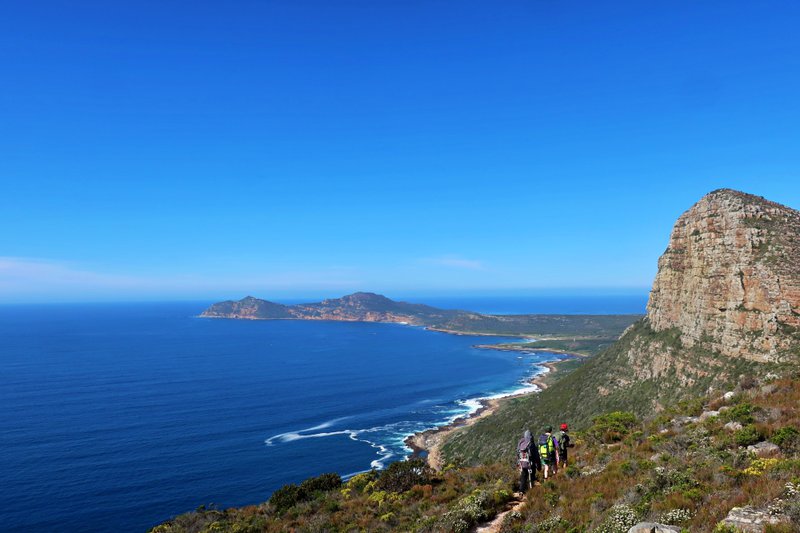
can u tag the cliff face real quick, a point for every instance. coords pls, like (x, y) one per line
(730, 277)
(724, 306)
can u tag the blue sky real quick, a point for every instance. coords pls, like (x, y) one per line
(162, 150)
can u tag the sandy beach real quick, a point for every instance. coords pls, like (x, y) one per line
(431, 441)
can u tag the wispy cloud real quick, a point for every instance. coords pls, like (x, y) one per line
(19, 272)
(36, 279)
(454, 261)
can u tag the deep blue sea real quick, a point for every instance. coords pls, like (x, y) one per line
(118, 416)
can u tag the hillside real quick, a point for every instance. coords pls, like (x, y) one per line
(370, 307)
(724, 306)
(690, 419)
(704, 466)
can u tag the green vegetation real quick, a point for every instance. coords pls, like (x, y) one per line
(676, 468)
(599, 327)
(454, 500)
(621, 378)
(611, 427)
(290, 495)
(576, 345)
(686, 474)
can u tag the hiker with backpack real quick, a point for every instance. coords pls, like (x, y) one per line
(527, 461)
(563, 444)
(548, 452)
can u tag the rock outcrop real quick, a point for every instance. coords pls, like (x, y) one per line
(725, 305)
(730, 277)
(750, 520)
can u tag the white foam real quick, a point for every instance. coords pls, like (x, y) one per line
(466, 408)
(384, 454)
(299, 434)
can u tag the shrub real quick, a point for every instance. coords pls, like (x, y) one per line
(759, 466)
(742, 413)
(467, 512)
(747, 435)
(619, 520)
(612, 427)
(676, 517)
(787, 438)
(323, 483)
(290, 495)
(402, 475)
(286, 497)
(554, 523)
(360, 481)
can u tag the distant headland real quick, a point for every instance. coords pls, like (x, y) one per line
(584, 330)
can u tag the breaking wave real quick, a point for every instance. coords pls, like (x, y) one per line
(388, 440)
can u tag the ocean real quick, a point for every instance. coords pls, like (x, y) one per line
(118, 416)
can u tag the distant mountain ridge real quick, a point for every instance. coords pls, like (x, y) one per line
(371, 307)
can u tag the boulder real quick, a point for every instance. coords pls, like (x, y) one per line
(705, 415)
(728, 396)
(733, 426)
(751, 520)
(683, 420)
(764, 449)
(652, 527)
(769, 388)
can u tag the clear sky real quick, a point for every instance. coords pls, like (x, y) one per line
(201, 150)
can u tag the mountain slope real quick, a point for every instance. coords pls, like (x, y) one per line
(724, 305)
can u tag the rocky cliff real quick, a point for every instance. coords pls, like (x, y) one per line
(730, 277)
(723, 309)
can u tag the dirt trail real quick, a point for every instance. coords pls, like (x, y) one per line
(493, 526)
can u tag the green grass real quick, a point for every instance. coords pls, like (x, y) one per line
(605, 326)
(604, 383)
(582, 346)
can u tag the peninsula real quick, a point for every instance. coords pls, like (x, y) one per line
(557, 332)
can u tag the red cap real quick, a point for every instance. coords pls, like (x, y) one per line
(564, 427)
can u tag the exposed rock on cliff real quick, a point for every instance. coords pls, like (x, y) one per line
(730, 277)
(724, 305)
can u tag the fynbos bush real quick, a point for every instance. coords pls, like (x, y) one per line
(403, 475)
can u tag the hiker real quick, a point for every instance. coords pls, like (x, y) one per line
(528, 462)
(563, 443)
(548, 452)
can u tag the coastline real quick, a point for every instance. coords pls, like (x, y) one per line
(525, 349)
(431, 440)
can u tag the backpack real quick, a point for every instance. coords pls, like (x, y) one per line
(546, 447)
(563, 442)
(524, 457)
